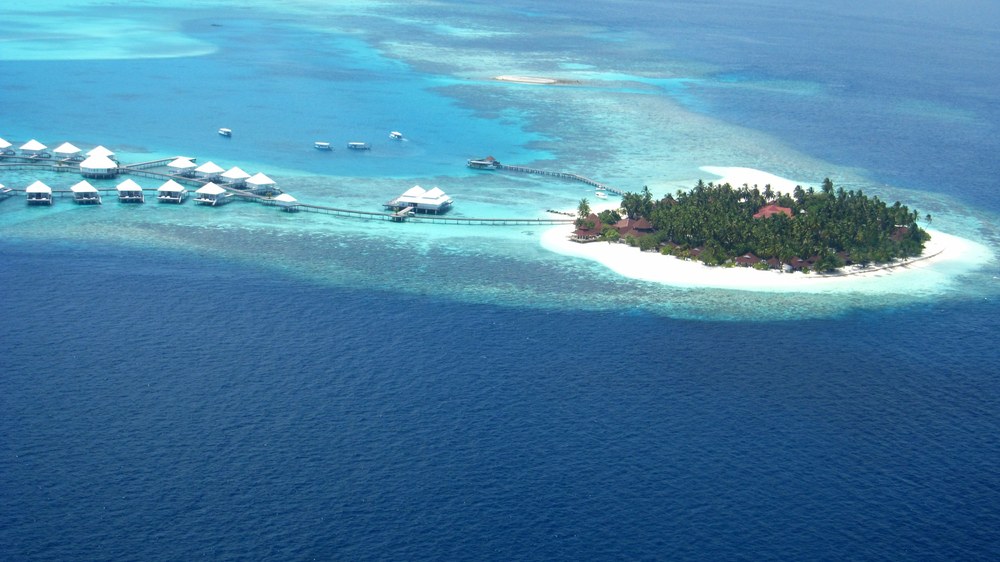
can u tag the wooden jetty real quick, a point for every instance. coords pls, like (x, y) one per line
(490, 163)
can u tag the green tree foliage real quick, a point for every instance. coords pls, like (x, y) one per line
(826, 226)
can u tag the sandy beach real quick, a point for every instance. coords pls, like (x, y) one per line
(527, 79)
(630, 262)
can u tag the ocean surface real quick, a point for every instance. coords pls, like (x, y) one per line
(183, 382)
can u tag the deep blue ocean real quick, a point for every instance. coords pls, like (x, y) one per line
(335, 397)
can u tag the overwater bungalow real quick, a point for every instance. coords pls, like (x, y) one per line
(5, 149)
(209, 171)
(488, 163)
(183, 167)
(287, 203)
(130, 192)
(171, 192)
(235, 177)
(34, 149)
(68, 152)
(39, 194)
(261, 184)
(212, 194)
(85, 194)
(433, 201)
(100, 150)
(98, 166)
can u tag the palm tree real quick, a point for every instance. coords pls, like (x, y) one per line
(583, 210)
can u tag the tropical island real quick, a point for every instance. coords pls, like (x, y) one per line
(719, 225)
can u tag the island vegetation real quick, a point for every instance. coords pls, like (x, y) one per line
(808, 229)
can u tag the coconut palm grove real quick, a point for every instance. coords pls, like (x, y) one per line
(721, 225)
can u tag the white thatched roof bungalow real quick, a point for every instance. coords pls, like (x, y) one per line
(98, 167)
(171, 192)
(85, 194)
(130, 192)
(67, 151)
(260, 183)
(212, 194)
(235, 177)
(209, 170)
(182, 167)
(5, 148)
(286, 202)
(34, 149)
(39, 194)
(433, 200)
(101, 151)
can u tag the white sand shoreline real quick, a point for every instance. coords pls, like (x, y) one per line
(526, 79)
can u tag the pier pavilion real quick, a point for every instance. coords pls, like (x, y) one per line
(100, 150)
(39, 194)
(85, 194)
(286, 202)
(235, 177)
(418, 199)
(5, 148)
(209, 171)
(212, 194)
(34, 149)
(183, 167)
(261, 184)
(67, 152)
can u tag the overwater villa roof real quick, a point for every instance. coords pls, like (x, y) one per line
(128, 185)
(170, 186)
(100, 151)
(33, 145)
(209, 168)
(210, 189)
(98, 162)
(66, 148)
(413, 192)
(235, 173)
(260, 179)
(4, 144)
(182, 163)
(38, 187)
(83, 187)
(286, 198)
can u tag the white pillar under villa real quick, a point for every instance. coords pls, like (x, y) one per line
(39, 194)
(235, 177)
(259, 183)
(183, 167)
(171, 192)
(98, 167)
(67, 151)
(34, 149)
(130, 192)
(209, 171)
(5, 149)
(101, 151)
(212, 194)
(287, 203)
(85, 194)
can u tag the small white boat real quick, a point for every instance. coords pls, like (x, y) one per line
(396, 135)
(359, 146)
(226, 132)
(601, 195)
(322, 145)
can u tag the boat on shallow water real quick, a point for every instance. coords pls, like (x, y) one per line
(396, 135)
(226, 132)
(318, 145)
(359, 146)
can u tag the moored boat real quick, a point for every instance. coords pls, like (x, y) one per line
(318, 145)
(226, 132)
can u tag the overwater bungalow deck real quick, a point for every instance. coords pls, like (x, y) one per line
(85, 194)
(213, 195)
(39, 194)
(130, 192)
(171, 192)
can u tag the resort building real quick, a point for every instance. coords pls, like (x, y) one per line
(235, 177)
(101, 151)
(261, 184)
(5, 149)
(418, 199)
(209, 171)
(130, 192)
(171, 192)
(633, 227)
(488, 163)
(768, 211)
(34, 149)
(85, 194)
(98, 166)
(212, 194)
(68, 152)
(183, 167)
(589, 230)
(286, 202)
(39, 194)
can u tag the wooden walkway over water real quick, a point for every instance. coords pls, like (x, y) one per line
(563, 175)
(147, 170)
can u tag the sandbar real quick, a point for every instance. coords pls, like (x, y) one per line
(527, 79)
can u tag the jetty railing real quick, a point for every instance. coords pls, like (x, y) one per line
(563, 175)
